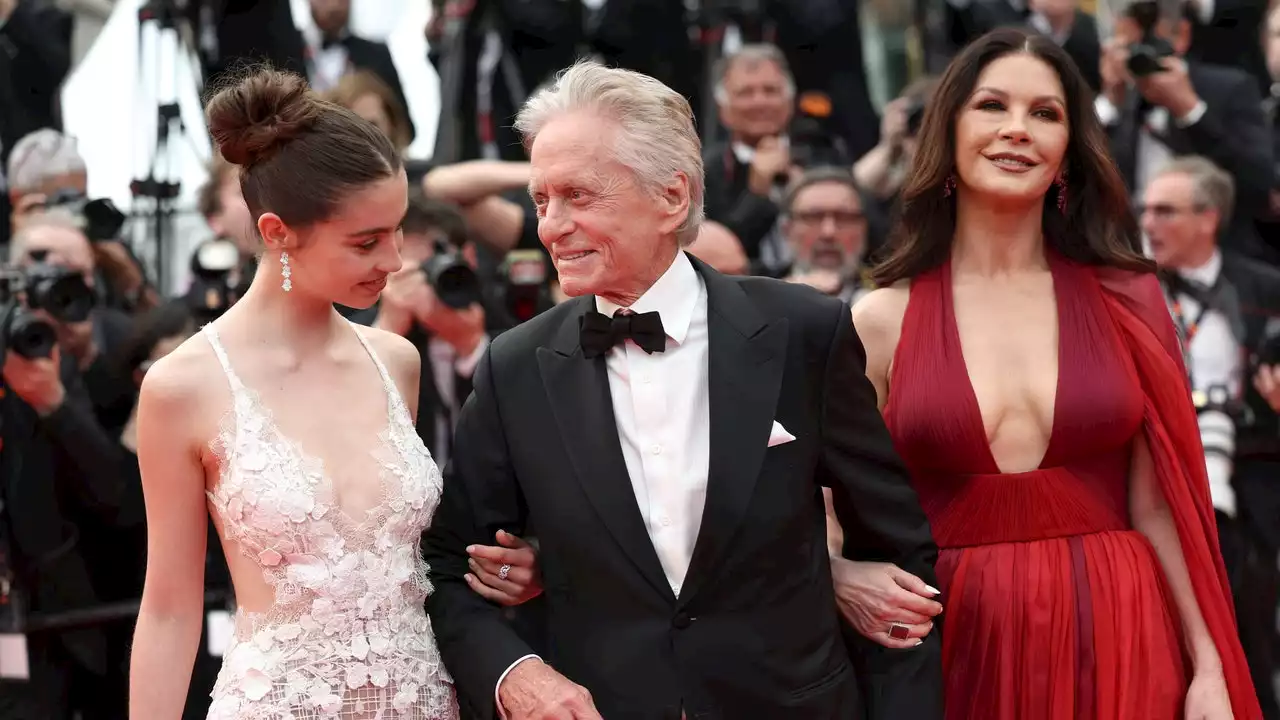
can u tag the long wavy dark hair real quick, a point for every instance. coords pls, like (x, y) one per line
(1098, 227)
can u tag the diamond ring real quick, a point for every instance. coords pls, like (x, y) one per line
(503, 572)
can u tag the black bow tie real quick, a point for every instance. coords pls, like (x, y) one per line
(598, 333)
(332, 42)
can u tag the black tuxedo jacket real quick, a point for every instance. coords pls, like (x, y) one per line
(1233, 133)
(755, 632)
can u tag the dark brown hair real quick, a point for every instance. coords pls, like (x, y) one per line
(299, 156)
(1098, 227)
(357, 84)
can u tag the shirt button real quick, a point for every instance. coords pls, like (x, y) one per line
(666, 521)
(656, 450)
(645, 378)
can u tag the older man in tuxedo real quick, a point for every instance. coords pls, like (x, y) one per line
(666, 435)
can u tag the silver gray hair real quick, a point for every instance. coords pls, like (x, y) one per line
(41, 156)
(752, 54)
(1214, 187)
(657, 138)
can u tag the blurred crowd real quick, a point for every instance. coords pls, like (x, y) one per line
(802, 171)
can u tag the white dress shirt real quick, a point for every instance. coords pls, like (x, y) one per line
(1214, 359)
(325, 66)
(663, 412)
(446, 366)
(662, 408)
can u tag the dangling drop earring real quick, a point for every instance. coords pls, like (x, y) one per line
(285, 272)
(949, 186)
(1062, 192)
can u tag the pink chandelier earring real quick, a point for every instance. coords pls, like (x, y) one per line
(1061, 183)
(285, 272)
(949, 186)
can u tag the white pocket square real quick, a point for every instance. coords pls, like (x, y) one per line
(779, 435)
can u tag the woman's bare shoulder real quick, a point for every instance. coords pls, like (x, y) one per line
(179, 391)
(878, 315)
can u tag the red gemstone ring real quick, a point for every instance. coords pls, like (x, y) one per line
(898, 631)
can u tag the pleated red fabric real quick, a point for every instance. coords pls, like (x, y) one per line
(1056, 608)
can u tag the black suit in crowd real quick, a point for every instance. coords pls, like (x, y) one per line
(53, 469)
(1233, 133)
(1250, 293)
(755, 632)
(1232, 37)
(982, 16)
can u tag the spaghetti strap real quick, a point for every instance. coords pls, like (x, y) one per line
(211, 335)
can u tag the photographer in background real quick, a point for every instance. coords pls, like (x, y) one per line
(881, 172)
(46, 171)
(1157, 106)
(54, 240)
(446, 321)
(62, 477)
(1226, 308)
(822, 220)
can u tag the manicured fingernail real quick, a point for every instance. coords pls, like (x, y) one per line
(471, 548)
(919, 642)
(933, 589)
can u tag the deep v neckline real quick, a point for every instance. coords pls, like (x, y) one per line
(311, 465)
(974, 406)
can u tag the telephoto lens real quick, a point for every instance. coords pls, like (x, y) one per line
(455, 282)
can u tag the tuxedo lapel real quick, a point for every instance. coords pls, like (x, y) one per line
(578, 390)
(746, 359)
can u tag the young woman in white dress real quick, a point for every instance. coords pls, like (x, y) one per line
(295, 429)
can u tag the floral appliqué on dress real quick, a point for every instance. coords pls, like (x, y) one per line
(347, 637)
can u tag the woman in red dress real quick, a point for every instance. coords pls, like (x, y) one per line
(1032, 380)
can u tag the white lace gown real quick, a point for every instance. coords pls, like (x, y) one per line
(347, 637)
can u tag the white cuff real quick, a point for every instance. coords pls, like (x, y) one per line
(1192, 117)
(497, 701)
(466, 366)
(1107, 113)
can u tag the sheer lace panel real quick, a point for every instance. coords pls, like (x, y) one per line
(347, 636)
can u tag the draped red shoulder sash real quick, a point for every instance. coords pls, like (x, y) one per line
(1143, 326)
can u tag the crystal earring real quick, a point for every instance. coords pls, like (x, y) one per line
(949, 186)
(1062, 193)
(285, 272)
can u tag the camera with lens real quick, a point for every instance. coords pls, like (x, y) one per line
(1146, 54)
(61, 293)
(99, 218)
(526, 291)
(451, 277)
(212, 289)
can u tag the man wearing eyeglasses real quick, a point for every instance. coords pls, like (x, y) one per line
(822, 221)
(1227, 310)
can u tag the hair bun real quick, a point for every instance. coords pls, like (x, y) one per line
(250, 119)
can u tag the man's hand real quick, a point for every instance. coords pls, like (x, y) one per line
(893, 124)
(6, 9)
(1170, 88)
(406, 294)
(773, 158)
(534, 691)
(36, 381)
(463, 329)
(1113, 67)
(874, 596)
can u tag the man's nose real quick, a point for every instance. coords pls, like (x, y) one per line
(555, 223)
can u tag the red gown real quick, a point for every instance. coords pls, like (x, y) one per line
(1056, 608)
